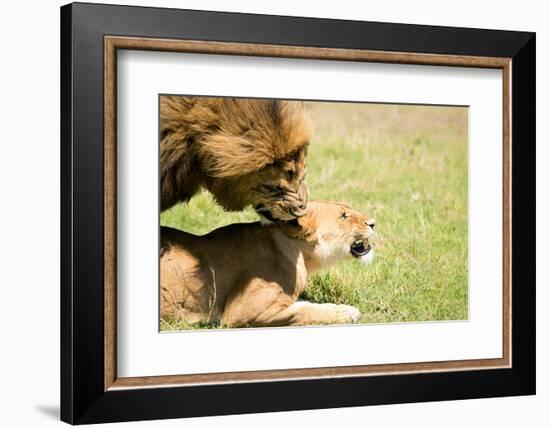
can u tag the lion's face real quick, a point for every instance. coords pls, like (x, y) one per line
(336, 232)
(280, 191)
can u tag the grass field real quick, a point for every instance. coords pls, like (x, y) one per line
(407, 167)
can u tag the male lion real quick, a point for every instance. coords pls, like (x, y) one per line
(244, 151)
(251, 274)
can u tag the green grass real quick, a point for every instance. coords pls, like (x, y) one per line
(407, 167)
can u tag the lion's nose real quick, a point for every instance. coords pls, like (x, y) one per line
(371, 222)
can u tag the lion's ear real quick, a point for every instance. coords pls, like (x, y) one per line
(301, 227)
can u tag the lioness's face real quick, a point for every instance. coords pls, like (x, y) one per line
(280, 191)
(337, 232)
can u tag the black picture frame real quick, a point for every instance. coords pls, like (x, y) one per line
(83, 396)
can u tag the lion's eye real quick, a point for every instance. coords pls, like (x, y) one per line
(290, 174)
(345, 215)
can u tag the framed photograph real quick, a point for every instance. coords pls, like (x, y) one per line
(266, 213)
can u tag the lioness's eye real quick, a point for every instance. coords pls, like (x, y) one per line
(345, 215)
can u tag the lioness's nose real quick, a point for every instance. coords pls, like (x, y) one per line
(371, 222)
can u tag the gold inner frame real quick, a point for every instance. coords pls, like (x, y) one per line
(112, 43)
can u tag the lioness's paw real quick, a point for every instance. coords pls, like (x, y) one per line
(346, 313)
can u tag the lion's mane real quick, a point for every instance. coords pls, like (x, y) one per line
(206, 141)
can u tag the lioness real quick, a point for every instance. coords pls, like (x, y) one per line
(251, 274)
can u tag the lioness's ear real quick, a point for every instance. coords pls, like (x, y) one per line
(301, 227)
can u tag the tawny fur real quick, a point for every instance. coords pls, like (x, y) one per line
(241, 150)
(245, 275)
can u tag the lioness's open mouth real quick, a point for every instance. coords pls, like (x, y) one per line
(358, 248)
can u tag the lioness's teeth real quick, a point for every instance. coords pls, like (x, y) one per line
(359, 241)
